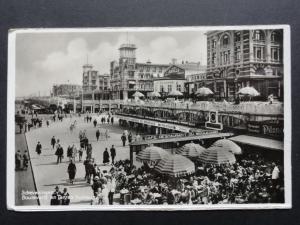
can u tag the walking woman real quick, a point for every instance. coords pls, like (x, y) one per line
(72, 171)
(38, 148)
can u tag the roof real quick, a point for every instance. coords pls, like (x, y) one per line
(258, 142)
(179, 139)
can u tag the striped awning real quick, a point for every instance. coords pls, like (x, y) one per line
(151, 155)
(175, 166)
(228, 145)
(190, 150)
(217, 155)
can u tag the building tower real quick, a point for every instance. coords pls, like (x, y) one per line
(127, 62)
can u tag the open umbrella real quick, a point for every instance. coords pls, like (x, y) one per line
(151, 155)
(251, 91)
(190, 150)
(216, 155)
(138, 94)
(228, 145)
(175, 93)
(154, 94)
(204, 91)
(175, 166)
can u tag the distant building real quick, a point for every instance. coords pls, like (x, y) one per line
(66, 90)
(96, 87)
(128, 76)
(240, 58)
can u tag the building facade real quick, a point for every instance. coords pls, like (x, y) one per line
(66, 90)
(96, 87)
(128, 76)
(240, 58)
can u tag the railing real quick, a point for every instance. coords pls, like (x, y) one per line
(263, 108)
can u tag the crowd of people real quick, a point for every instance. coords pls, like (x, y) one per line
(251, 180)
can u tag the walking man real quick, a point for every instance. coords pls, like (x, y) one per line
(53, 142)
(112, 154)
(97, 134)
(59, 153)
(18, 157)
(95, 122)
(123, 138)
(105, 156)
(38, 148)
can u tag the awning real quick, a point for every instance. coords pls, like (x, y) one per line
(131, 82)
(259, 142)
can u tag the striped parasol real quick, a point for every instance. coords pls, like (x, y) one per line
(151, 155)
(175, 166)
(190, 150)
(153, 94)
(251, 91)
(204, 91)
(175, 93)
(138, 94)
(228, 145)
(216, 155)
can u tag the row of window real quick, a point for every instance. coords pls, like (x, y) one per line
(152, 68)
(258, 35)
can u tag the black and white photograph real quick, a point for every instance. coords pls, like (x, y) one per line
(160, 118)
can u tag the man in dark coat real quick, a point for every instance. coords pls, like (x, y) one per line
(105, 156)
(65, 197)
(130, 137)
(56, 197)
(97, 134)
(112, 154)
(72, 171)
(112, 121)
(123, 138)
(25, 160)
(95, 122)
(53, 142)
(38, 148)
(18, 158)
(59, 153)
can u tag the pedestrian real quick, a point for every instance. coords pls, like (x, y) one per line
(89, 151)
(96, 186)
(130, 137)
(25, 160)
(111, 186)
(89, 170)
(56, 197)
(21, 127)
(123, 138)
(38, 148)
(86, 142)
(81, 151)
(18, 158)
(97, 134)
(106, 134)
(47, 122)
(275, 174)
(104, 195)
(105, 156)
(53, 142)
(112, 154)
(112, 120)
(65, 197)
(95, 122)
(72, 171)
(59, 153)
(108, 120)
(70, 153)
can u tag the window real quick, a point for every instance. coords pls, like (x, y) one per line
(178, 87)
(214, 44)
(225, 40)
(169, 87)
(275, 37)
(148, 69)
(161, 88)
(213, 58)
(238, 53)
(259, 35)
(237, 37)
(275, 54)
(160, 69)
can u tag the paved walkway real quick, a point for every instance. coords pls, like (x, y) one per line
(24, 180)
(48, 174)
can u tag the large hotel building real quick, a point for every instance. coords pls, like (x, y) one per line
(240, 58)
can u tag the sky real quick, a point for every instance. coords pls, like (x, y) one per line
(44, 59)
